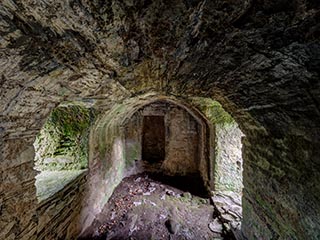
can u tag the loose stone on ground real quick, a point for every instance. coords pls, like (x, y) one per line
(164, 212)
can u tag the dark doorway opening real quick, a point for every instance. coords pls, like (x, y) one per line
(153, 139)
(189, 183)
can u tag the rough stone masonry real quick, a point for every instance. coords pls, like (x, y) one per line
(259, 58)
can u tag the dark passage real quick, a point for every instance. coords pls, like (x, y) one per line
(153, 139)
(192, 183)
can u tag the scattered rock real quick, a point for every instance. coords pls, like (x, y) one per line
(138, 179)
(113, 215)
(152, 184)
(215, 226)
(226, 226)
(229, 207)
(203, 200)
(150, 202)
(158, 215)
(133, 226)
(170, 192)
(187, 195)
(137, 203)
(172, 226)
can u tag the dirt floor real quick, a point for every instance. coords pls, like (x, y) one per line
(144, 207)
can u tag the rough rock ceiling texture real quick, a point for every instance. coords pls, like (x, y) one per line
(259, 58)
(241, 50)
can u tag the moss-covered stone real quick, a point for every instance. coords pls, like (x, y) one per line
(62, 144)
(227, 145)
(108, 128)
(132, 154)
(213, 110)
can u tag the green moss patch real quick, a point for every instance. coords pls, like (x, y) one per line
(62, 144)
(213, 110)
(227, 145)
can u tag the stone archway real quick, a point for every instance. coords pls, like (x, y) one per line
(189, 148)
(116, 145)
(183, 147)
(229, 49)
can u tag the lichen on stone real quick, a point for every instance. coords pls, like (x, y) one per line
(213, 110)
(62, 143)
(227, 145)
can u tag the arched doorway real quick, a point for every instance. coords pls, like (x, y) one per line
(168, 137)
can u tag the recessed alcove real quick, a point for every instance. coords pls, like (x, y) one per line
(169, 142)
(166, 133)
(61, 148)
(193, 145)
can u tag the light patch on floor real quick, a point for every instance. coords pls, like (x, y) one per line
(50, 182)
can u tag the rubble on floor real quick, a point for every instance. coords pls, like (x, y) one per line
(229, 210)
(144, 208)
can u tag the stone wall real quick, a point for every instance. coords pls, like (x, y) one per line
(62, 143)
(259, 59)
(185, 144)
(280, 167)
(115, 147)
(17, 190)
(59, 215)
(228, 165)
(183, 136)
(227, 143)
(106, 161)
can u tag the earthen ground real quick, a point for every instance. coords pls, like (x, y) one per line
(143, 206)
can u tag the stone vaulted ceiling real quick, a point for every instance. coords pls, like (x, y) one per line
(260, 55)
(259, 58)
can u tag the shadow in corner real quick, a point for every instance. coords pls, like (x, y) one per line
(191, 183)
